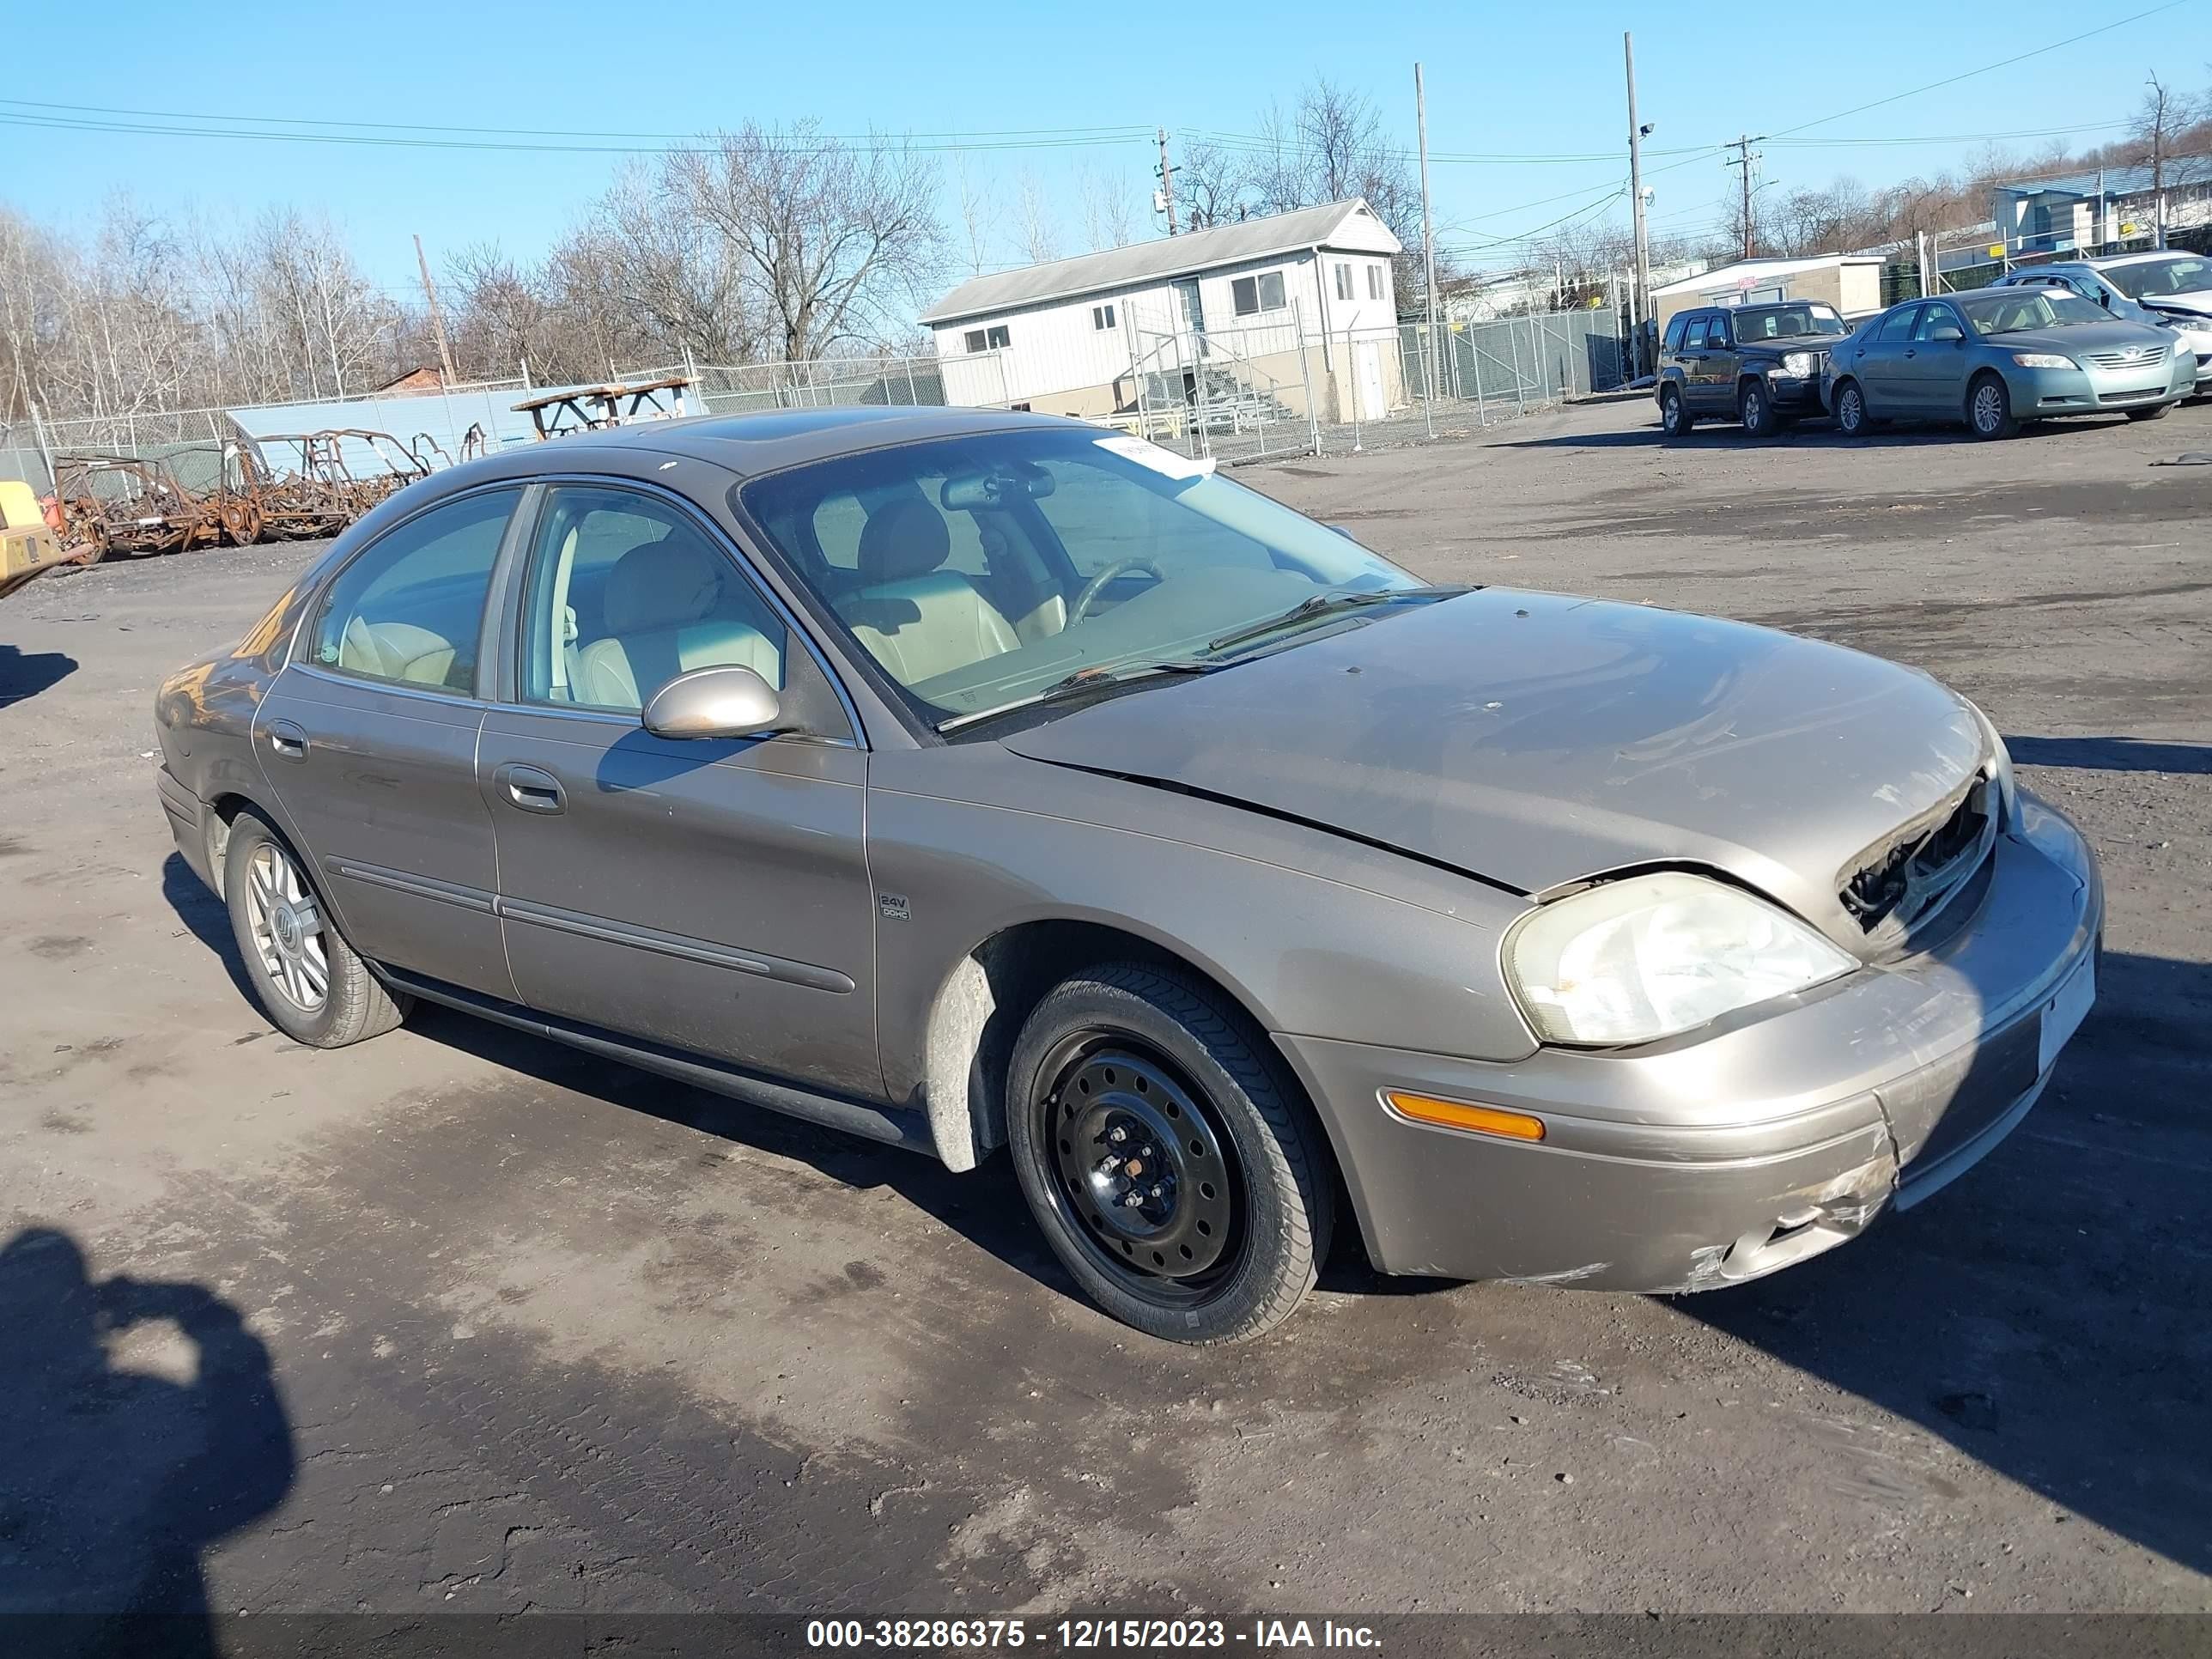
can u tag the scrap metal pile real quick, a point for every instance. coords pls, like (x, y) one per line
(283, 487)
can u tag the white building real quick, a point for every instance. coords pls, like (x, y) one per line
(1849, 282)
(1268, 308)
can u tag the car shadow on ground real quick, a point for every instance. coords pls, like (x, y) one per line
(1716, 433)
(207, 919)
(116, 1479)
(24, 675)
(2044, 1314)
(2112, 753)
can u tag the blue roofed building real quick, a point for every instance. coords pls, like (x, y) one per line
(2101, 208)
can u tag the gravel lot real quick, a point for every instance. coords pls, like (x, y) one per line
(544, 1332)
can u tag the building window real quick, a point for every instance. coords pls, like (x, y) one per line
(986, 339)
(1249, 295)
(1101, 318)
(1343, 281)
(1374, 281)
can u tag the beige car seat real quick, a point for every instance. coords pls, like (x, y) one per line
(660, 611)
(915, 619)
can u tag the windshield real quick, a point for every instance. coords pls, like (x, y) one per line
(2154, 278)
(2010, 311)
(981, 572)
(1786, 322)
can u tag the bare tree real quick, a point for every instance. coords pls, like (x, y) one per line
(1109, 219)
(1211, 184)
(978, 219)
(834, 237)
(1038, 233)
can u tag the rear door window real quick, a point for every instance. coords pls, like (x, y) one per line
(1898, 326)
(409, 609)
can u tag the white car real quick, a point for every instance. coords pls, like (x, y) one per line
(2174, 290)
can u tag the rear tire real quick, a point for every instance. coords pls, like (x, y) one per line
(1989, 408)
(1674, 418)
(2158, 413)
(1851, 419)
(307, 979)
(1134, 1083)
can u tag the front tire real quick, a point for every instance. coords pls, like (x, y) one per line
(1674, 418)
(1989, 408)
(1172, 1166)
(1755, 409)
(307, 979)
(2157, 412)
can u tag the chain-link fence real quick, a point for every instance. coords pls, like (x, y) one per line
(825, 382)
(1278, 390)
(1260, 393)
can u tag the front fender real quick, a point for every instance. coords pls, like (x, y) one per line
(1314, 936)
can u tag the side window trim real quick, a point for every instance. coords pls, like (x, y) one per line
(508, 692)
(489, 627)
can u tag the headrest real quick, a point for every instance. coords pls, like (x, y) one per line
(905, 538)
(663, 584)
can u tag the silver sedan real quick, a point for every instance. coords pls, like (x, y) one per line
(970, 781)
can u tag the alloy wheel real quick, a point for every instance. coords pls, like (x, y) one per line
(286, 925)
(1140, 1169)
(1988, 407)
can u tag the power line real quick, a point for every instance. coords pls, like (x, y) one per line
(1968, 75)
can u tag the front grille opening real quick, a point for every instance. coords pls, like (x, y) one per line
(1913, 876)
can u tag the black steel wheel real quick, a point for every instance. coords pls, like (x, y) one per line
(1171, 1166)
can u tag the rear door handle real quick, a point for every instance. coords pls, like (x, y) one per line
(529, 789)
(1910, 352)
(287, 740)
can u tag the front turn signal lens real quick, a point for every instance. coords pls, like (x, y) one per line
(1459, 1115)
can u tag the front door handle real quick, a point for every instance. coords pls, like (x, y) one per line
(287, 740)
(529, 789)
(1910, 352)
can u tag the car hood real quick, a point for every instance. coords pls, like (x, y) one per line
(2080, 338)
(1536, 739)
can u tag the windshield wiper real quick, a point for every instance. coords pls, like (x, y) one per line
(1087, 679)
(1323, 605)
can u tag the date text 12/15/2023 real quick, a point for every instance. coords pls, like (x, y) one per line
(1084, 1635)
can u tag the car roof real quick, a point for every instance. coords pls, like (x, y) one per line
(751, 444)
(2144, 258)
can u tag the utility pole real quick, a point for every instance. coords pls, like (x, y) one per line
(437, 317)
(2158, 108)
(1167, 182)
(1639, 290)
(1745, 155)
(1428, 240)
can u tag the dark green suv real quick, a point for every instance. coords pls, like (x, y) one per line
(1758, 364)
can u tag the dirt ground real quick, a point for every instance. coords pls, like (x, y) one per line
(522, 1329)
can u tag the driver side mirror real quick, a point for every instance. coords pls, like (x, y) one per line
(725, 702)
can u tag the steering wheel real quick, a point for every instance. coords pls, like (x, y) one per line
(1099, 583)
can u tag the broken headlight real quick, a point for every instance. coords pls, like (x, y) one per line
(1645, 958)
(2000, 770)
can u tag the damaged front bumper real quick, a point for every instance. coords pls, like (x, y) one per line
(1731, 1152)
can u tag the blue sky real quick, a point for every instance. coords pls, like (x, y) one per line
(1513, 80)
